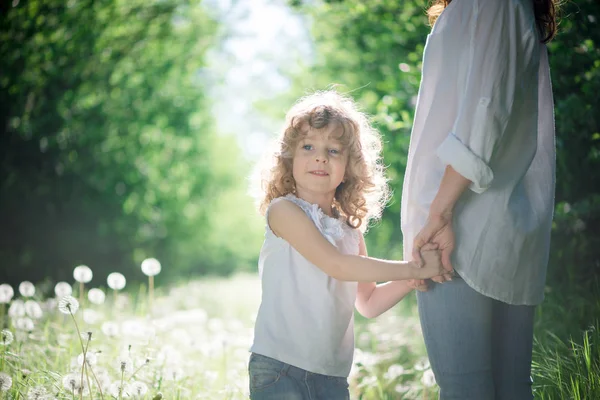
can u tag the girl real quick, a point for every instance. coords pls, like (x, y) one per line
(324, 183)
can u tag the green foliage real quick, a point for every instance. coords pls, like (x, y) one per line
(108, 153)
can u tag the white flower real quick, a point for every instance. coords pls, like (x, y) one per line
(125, 363)
(116, 281)
(428, 378)
(422, 364)
(16, 309)
(136, 389)
(37, 393)
(68, 305)
(6, 293)
(33, 309)
(90, 358)
(5, 382)
(72, 382)
(394, 371)
(110, 329)
(63, 289)
(91, 316)
(82, 273)
(151, 266)
(6, 337)
(96, 296)
(26, 289)
(117, 390)
(24, 324)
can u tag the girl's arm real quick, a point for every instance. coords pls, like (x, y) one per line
(373, 300)
(290, 223)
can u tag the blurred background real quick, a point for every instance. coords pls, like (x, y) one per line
(129, 129)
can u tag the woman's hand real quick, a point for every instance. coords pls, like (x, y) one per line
(437, 231)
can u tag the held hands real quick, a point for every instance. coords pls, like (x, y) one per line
(437, 231)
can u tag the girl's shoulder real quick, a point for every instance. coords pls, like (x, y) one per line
(334, 229)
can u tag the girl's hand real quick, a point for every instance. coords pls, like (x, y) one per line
(421, 284)
(433, 264)
(437, 230)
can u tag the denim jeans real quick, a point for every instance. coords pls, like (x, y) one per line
(274, 380)
(479, 348)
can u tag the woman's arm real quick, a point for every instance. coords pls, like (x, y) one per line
(290, 223)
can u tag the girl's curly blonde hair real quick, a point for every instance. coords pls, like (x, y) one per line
(364, 192)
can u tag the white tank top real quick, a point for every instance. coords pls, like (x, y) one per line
(306, 318)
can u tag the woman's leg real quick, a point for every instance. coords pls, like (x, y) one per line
(511, 351)
(457, 328)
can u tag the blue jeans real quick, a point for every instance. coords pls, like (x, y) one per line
(274, 380)
(479, 348)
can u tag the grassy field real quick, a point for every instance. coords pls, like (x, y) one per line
(191, 342)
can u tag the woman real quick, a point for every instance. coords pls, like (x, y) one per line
(480, 184)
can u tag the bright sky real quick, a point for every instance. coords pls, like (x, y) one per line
(260, 37)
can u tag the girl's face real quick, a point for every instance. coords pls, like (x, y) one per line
(319, 163)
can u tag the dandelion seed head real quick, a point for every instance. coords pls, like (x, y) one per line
(116, 281)
(422, 364)
(110, 328)
(37, 393)
(96, 296)
(16, 309)
(125, 364)
(151, 266)
(24, 324)
(68, 305)
(393, 372)
(63, 289)
(117, 390)
(6, 293)
(26, 289)
(5, 382)
(91, 317)
(137, 388)
(428, 378)
(90, 358)
(6, 337)
(33, 309)
(82, 273)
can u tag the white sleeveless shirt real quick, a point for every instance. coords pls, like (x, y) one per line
(306, 318)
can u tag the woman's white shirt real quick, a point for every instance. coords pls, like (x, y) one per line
(485, 107)
(306, 318)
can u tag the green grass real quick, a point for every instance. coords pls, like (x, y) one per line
(194, 344)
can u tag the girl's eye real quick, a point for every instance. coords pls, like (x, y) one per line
(307, 147)
(334, 151)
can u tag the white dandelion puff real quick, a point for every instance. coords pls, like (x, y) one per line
(72, 383)
(33, 309)
(110, 329)
(37, 393)
(82, 274)
(26, 289)
(422, 364)
(68, 305)
(393, 372)
(16, 309)
(6, 337)
(96, 296)
(6, 293)
(151, 266)
(117, 390)
(91, 317)
(5, 382)
(428, 378)
(125, 364)
(63, 289)
(137, 389)
(116, 281)
(90, 358)
(24, 324)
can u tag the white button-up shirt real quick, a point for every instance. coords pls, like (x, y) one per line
(485, 107)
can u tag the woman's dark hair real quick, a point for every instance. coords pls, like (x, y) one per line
(545, 15)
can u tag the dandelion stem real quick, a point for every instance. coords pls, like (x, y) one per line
(150, 292)
(82, 349)
(97, 382)
(85, 366)
(121, 387)
(81, 293)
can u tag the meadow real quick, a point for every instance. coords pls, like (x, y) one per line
(191, 341)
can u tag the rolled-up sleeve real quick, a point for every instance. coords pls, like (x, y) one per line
(498, 53)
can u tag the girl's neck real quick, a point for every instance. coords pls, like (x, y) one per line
(323, 200)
